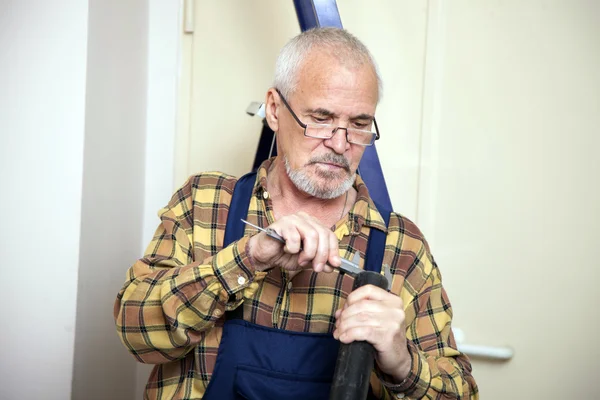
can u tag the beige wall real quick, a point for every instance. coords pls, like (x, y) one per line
(516, 194)
(232, 64)
(489, 126)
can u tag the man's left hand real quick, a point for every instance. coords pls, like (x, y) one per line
(376, 316)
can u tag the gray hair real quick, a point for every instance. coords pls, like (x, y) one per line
(340, 43)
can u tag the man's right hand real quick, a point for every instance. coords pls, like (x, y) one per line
(308, 244)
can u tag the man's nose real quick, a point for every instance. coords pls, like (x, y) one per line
(338, 142)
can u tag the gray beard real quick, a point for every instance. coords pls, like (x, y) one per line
(304, 183)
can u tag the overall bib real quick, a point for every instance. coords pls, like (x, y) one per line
(262, 363)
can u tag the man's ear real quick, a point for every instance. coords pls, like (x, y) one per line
(272, 106)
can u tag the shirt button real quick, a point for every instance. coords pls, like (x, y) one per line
(241, 280)
(265, 195)
(290, 285)
(399, 395)
(218, 313)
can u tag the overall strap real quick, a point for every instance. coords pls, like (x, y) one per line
(238, 209)
(234, 230)
(376, 244)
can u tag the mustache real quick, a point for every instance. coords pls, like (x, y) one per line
(331, 158)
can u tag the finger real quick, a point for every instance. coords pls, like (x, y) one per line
(328, 247)
(361, 320)
(322, 255)
(294, 230)
(390, 319)
(362, 333)
(293, 240)
(310, 239)
(334, 251)
(320, 235)
(371, 292)
(366, 307)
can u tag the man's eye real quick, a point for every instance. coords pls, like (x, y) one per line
(361, 126)
(320, 120)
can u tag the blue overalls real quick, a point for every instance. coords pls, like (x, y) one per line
(261, 363)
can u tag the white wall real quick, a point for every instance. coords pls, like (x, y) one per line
(164, 44)
(113, 192)
(42, 99)
(73, 87)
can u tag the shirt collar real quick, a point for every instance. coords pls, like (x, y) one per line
(364, 211)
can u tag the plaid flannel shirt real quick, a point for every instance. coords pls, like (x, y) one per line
(170, 310)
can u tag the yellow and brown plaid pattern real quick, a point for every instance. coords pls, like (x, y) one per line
(171, 308)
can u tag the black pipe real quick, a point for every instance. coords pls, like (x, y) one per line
(355, 360)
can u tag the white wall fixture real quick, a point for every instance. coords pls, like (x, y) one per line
(479, 351)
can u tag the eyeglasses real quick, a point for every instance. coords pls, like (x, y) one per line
(322, 131)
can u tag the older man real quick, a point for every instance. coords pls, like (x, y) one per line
(226, 315)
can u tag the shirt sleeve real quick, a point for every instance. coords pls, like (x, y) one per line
(169, 300)
(439, 370)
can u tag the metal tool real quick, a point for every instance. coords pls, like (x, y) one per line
(388, 275)
(349, 267)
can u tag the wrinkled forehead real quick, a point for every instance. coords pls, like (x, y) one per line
(325, 79)
(323, 67)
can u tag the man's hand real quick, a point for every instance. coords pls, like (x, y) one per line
(308, 244)
(376, 316)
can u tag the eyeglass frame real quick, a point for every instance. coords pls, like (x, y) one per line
(304, 126)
